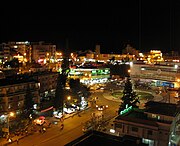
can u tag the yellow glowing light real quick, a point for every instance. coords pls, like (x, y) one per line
(69, 98)
(11, 114)
(58, 53)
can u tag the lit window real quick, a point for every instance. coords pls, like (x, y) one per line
(154, 115)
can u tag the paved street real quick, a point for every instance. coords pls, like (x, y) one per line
(73, 125)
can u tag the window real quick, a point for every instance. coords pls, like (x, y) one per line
(154, 115)
(10, 99)
(135, 129)
(9, 106)
(150, 132)
(7, 89)
(16, 88)
(118, 125)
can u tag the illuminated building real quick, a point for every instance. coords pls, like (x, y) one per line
(43, 52)
(167, 75)
(151, 125)
(90, 75)
(13, 92)
(47, 80)
(4, 53)
(19, 57)
(98, 56)
(155, 56)
(23, 50)
(58, 56)
(174, 136)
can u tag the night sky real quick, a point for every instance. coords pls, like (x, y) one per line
(112, 24)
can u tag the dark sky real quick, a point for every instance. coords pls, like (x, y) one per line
(112, 24)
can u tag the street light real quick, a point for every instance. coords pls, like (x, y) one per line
(11, 114)
(69, 98)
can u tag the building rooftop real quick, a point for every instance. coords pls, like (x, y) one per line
(15, 80)
(137, 117)
(141, 116)
(103, 139)
(47, 72)
(161, 108)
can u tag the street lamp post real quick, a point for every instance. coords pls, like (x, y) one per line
(11, 114)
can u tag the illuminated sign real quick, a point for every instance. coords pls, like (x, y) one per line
(126, 110)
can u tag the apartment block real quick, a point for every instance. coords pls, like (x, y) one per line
(152, 125)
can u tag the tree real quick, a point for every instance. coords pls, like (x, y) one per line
(121, 70)
(65, 66)
(129, 97)
(28, 103)
(112, 59)
(61, 82)
(59, 94)
(74, 84)
(78, 90)
(14, 63)
(130, 50)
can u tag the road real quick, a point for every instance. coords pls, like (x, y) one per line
(72, 126)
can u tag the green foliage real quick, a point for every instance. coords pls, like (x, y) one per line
(74, 84)
(61, 82)
(14, 63)
(59, 95)
(65, 66)
(121, 70)
(129, 97)
(78, 90)
(28, 103)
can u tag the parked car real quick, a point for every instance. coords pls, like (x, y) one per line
(69, 110)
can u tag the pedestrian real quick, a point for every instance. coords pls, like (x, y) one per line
(17, 141)
(62, 126)
(49, 125)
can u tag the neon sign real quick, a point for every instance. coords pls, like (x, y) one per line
(126, 110)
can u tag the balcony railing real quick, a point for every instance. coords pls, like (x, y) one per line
(155, 77)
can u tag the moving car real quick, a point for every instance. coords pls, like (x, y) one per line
(101, 107)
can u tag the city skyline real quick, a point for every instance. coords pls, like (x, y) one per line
(145, 25)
